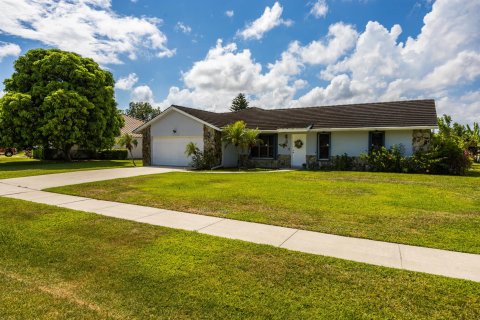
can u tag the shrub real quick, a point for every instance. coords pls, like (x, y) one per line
(200, 160)
(47, 154)
(38, 153)
(113, 154)
(386, 160)
(80, 154)
(444, 157)
(343, 162)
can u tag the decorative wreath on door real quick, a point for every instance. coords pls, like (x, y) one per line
(298, 143)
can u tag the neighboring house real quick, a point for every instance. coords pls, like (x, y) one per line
(292, 137)
(130, 125)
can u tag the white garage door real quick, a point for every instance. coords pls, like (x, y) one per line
(170, 151)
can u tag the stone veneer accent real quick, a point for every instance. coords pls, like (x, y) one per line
(312, 162)
(146, 146)
(357, 164)
(212, 142)
(282, 161)
(421, 140)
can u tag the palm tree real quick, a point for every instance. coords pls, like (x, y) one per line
(242, 138)
(129, 142)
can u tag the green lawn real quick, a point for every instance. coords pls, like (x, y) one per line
(59, 263)
(21, 166)
(426, 210)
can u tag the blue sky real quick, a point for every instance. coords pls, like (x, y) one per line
(288, 53)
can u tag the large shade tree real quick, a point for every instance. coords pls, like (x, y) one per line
(142, 110)
(59, 99)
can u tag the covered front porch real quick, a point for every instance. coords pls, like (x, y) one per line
(293, 148)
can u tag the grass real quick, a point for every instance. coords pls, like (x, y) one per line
(21, 166)
(60, 263)
(425, 210)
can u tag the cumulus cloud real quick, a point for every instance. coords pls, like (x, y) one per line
(436, 64)
(319, 9)
(271, 18)
(9, 49)
(142, 94)
(180, 26)
(127, 83)
(214, 81)
(442, 62)
(88, 27)
(340, 38)
(229, 13)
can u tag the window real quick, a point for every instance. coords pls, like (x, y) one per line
(324, 146)
(267, 149)
(377, 140)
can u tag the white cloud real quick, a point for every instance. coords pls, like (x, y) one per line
(319, 9)
(465, 67)
(214, 81)
(436, 64)
(88, 27)
(339, 40)
(442, 62)
(143, 94)
(467, 107)
(9, 49)
(271, 18)
(229, 13)
(180, 26)
(127, 83)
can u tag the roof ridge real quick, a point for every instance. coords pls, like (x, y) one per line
(354, 104)
(311, 107)
(196, 109)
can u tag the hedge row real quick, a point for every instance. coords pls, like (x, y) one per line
(53, 154)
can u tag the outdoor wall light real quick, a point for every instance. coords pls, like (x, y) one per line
(174, 131)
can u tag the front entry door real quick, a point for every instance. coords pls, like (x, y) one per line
(299, 155)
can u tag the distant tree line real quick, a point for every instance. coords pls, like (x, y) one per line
(142, 111)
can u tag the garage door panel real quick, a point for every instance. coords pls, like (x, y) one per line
(170, 151)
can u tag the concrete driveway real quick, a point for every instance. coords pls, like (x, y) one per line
(77, 177)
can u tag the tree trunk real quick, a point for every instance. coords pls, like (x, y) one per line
(133, 160)
(67, 153)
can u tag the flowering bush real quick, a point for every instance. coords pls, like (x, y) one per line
(446, 156)
(386, 160)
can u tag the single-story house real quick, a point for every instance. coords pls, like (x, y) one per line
(292, 137)
(130, 125)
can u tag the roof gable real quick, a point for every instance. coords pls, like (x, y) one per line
(130, 125)
(174, 108)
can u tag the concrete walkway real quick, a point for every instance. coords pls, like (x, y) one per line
(434, 261)
(77, 177)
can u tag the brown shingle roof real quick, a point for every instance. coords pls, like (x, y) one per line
(130, 125)
(413, 113)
